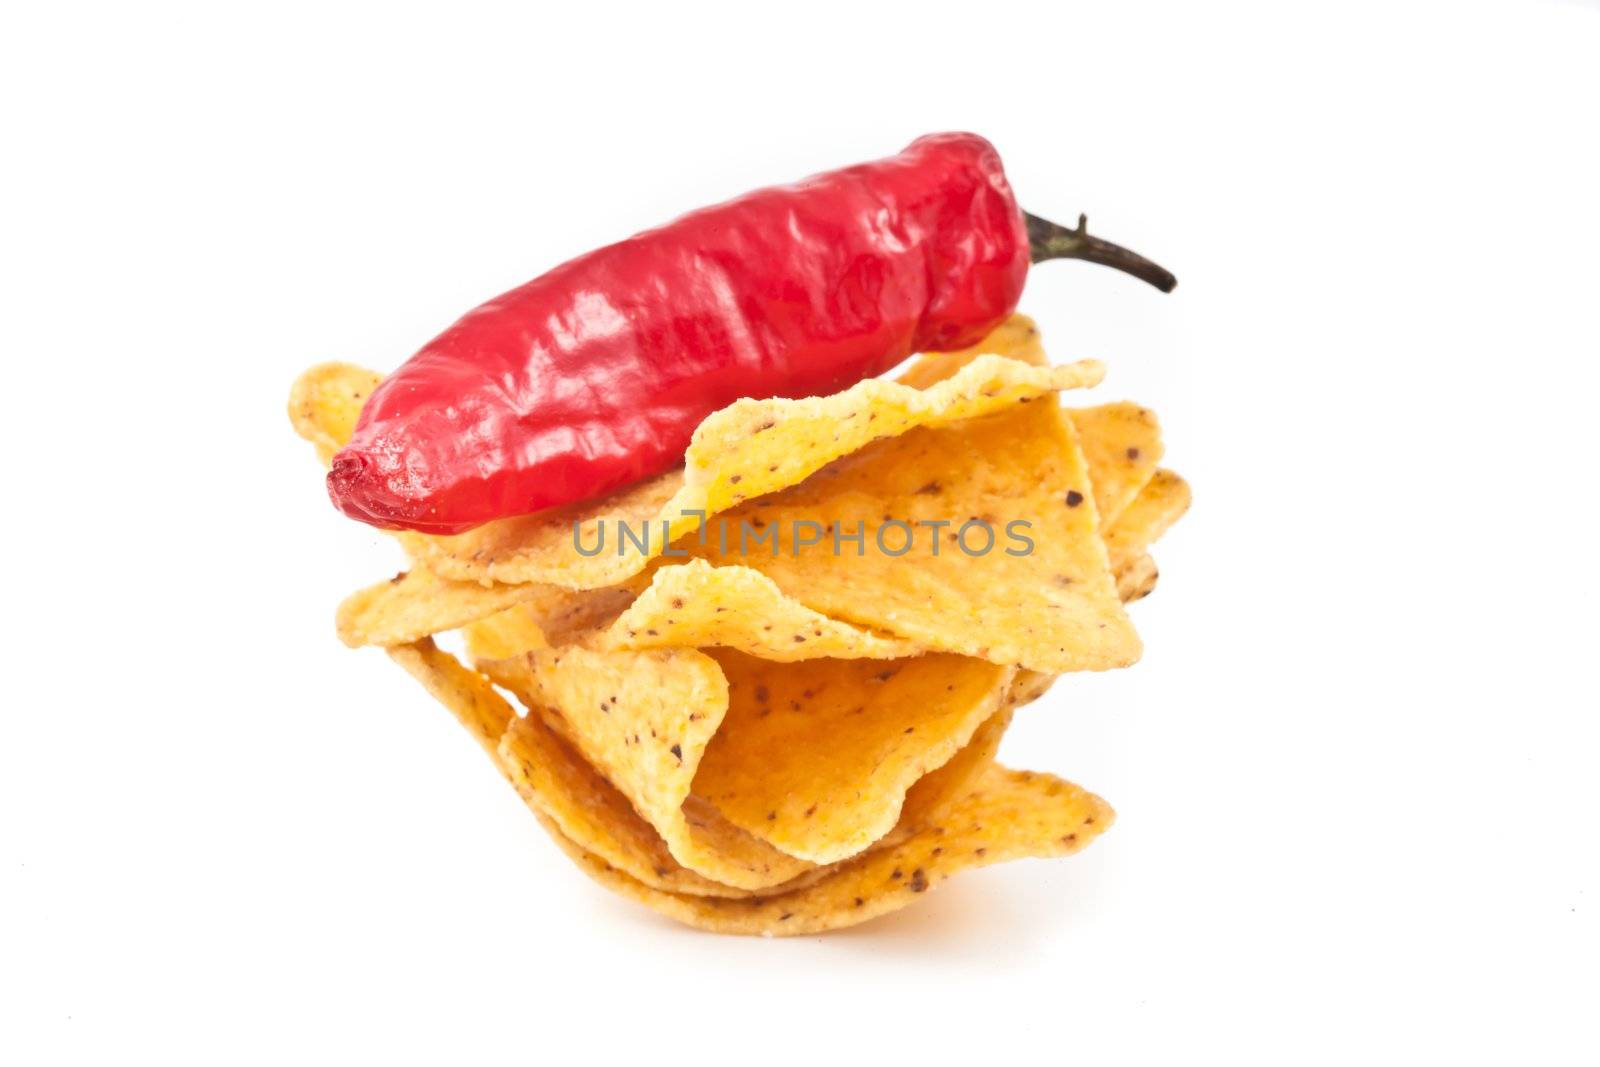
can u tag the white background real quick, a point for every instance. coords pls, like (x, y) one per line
(1355, 771)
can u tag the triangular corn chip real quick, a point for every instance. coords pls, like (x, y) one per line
(418, 603)
(816, 758)
(1137, 579)
(813, 759)
(561, 786)
(643, 719)
(504, 635)
(1010, 815)
(1122, 444)
(1159, 504)
(557, 782)
(699, 606)
(1052, 608)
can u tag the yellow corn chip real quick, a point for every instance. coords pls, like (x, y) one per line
(939, 788)
(697, 605)
(816, 758)
(1052, 608)
(419, 603)
(1122, 444)
(1159, 504)
(1029, 686)
(557, 782)
(1010, 815)
(325, 402)
(750, 448)
(1107, 432)
(751, 613)
(504, 635)
(643, 719)
(1137, 579)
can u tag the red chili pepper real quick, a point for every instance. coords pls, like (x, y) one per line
(596, 374)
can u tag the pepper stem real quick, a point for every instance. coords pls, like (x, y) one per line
(1050, 240)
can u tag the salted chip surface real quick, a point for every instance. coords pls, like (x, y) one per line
(698, 605)
(816, 758)
(745, 450)
(1009, 815)
(1045, 601)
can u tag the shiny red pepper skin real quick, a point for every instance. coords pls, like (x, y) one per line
(596, 374)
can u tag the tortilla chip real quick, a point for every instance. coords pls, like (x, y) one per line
(1107, 432)
(325, 403)
(418, 603)
(939, 788)
(1159, 504)
(732, 606)
(504, 635)
(1122, 444)
(1052, 609)
(745, 450)
(816, 758)
(700, 606)
(556, 781)
(1029, 686)
(1138, 579)
(558, 616)
(643, 719)
(1010, 815)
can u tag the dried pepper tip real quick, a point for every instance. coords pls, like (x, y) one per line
(1051, 240)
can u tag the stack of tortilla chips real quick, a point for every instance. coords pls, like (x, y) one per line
(740, 693)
